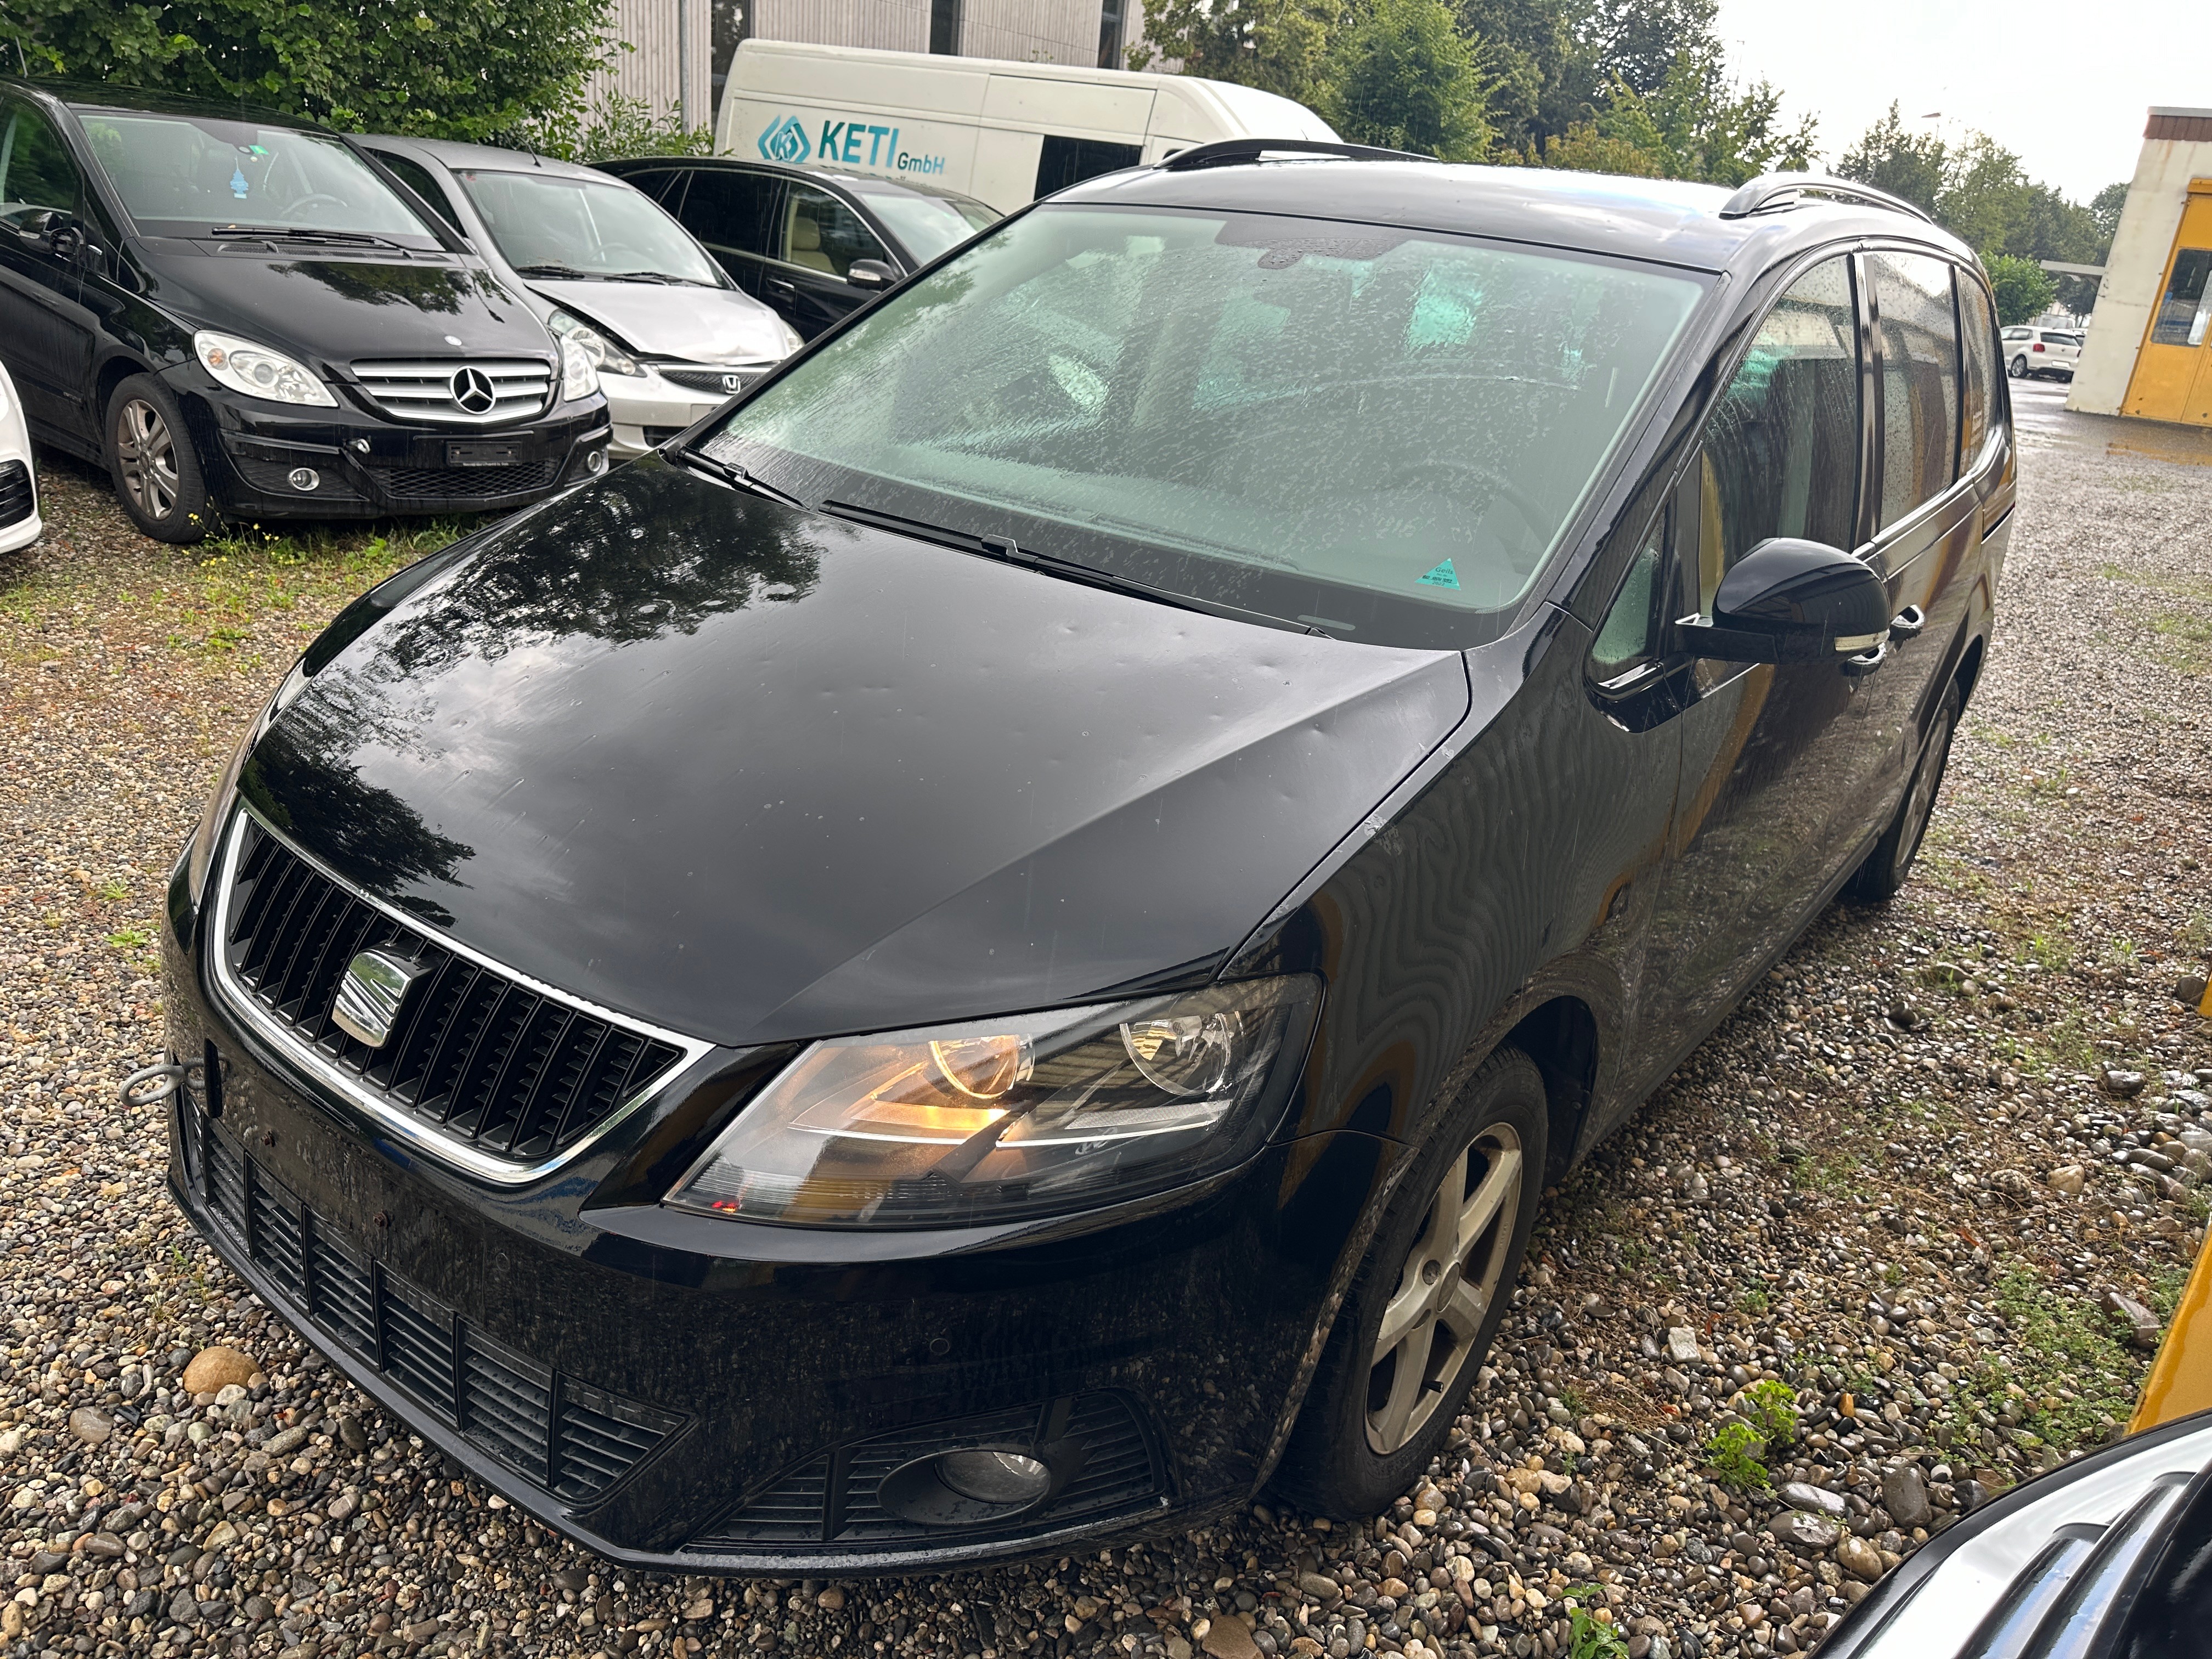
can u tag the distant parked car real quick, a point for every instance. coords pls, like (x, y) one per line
(2031, 352)
(238, 315)
(813, 245)
(671, 336)
(19, 483)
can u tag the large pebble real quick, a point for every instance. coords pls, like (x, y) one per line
(1805, 1531)
(1817, 1500)
(2068, 1178)
(214, 1369)
(1904, 1495)
(1682, 1344)
(1858, 1557)
(92, 1427)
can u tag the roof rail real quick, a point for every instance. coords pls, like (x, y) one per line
(1231, 152)
(1784, 189)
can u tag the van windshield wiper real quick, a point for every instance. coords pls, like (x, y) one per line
(568, 273)
(296, 234)
(730, 474)
(1006, 548)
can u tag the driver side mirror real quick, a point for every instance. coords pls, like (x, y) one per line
(870, 273)
(1790, 601)
(57, 230)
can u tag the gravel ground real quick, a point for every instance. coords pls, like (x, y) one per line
(1900, 1235)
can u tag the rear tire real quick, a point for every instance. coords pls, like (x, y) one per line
(1441, 1272)
(1888, 865)
(150, 458)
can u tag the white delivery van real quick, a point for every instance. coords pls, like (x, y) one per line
(1004, 132)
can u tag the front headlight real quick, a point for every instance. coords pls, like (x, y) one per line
(259, 372)
(226, 790)
(577, 378)
(1007, 1118)
(602, 353)
(792, 339)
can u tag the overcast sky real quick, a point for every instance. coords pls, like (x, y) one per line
(2097, 68)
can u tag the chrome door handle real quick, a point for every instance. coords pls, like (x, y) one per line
(782, 290)
(1907, 623)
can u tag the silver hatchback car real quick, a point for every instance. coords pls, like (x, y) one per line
(671, 336)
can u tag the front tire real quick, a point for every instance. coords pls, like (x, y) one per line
(1887, 867)
(150, 456)
(1427, 1299)
(2019, 368)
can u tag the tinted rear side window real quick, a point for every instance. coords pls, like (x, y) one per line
(1782, 446)
(1919, 340)
(35, 170)
(730, 210)
(1984, 396)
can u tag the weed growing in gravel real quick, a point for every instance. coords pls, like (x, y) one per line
(1772, 1406)
(2073, 1377)
(1737, 1454)
(1588, 1636)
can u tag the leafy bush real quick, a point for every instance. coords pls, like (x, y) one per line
(613, 129)
(1772, 1406)
(1588, 1636)
(447, 69)
(1737, 1454)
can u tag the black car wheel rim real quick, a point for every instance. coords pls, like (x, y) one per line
(148, 455)
(1446, 1288)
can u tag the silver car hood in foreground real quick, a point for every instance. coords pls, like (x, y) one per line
(659, 319)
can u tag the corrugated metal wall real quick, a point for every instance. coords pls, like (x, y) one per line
(1027, 31)
(650, 71)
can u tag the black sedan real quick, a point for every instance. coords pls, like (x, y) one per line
(996, 946)
(816, 245)
(239, 314)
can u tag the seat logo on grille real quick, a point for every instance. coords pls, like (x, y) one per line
(472, 391)
(375, 984)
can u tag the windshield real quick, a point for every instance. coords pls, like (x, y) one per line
(929, 223)
(547, 225)
(201, 173)
(1375, 432)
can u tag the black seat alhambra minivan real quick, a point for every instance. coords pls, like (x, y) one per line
(240, 315)
(997, 944)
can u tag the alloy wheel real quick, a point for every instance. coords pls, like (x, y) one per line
(148, 452)
(1450, 1280)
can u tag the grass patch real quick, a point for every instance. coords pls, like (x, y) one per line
(2073, 1375)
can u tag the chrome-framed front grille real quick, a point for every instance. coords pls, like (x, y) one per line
(486, 1069)
(459, 391)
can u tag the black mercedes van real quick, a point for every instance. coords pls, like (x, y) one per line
(240, 315)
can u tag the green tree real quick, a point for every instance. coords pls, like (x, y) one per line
(1696, 126)
(1405, 78)
(455, 69)
(1279, 45)
(1535, 65)
(2105, 208)
(2023, 288)
(1908, 165)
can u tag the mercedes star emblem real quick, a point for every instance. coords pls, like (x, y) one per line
(472, 391)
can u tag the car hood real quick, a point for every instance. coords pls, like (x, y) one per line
(698, 325)
(753, 773)
(336, 310)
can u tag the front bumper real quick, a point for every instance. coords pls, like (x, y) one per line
(367, 467)
(692, 1395)
(649, 410)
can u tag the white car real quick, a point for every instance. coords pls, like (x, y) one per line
(19, 482)
(673, 338)
(2030, 351)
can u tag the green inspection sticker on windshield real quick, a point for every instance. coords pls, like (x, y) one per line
(1442, 575)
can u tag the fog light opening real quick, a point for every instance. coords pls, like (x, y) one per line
(596, 462)
(973, 1486)
(304, 477)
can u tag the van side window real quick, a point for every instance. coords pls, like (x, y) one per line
(1984, 393)
(1917, 338)
(820, 232)
(35, 170)
(1782, 446)
(1064, 162)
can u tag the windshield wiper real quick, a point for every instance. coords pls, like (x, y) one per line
(566, 272)
(732, 474)
(1006, 548)
(294, 234)
(661, 276)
